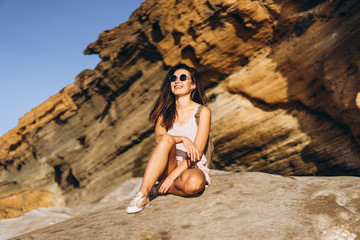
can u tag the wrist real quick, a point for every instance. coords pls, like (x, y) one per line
(172, 179)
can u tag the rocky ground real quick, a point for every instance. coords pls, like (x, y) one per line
(236, 206)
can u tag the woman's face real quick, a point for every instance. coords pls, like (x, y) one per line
(181, 88)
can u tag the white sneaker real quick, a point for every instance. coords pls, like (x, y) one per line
(138, 203)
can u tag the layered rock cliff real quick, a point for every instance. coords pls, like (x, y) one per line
(282, 77)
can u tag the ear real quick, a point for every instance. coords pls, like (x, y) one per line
(193, 86)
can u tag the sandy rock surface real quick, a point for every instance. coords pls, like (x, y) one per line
(235, 206)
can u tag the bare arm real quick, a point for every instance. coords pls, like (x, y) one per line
(159, 130)
(166, 183)
(203, 130)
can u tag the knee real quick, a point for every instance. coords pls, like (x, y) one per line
(167, 139)
(194, 185)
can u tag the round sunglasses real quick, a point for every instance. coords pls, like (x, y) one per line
(182, 78)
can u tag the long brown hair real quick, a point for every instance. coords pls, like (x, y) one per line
(165, 106)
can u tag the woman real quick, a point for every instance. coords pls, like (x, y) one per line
(178, 161)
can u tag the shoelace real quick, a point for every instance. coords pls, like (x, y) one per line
(137, 199)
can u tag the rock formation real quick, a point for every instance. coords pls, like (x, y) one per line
(282, 77)
(236, 206)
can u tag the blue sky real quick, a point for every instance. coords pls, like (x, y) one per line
(42, 44)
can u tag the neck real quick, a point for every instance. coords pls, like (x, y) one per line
(184, 102)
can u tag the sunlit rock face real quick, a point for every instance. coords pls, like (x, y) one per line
(282, 77)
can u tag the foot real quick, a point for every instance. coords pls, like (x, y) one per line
(138, 203)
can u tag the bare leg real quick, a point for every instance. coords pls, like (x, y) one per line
(162, 162)
(191, 182)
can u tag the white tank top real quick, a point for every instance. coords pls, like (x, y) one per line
(189, 130)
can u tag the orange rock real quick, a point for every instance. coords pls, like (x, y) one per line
(16, 203)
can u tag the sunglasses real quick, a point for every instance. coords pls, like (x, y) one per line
(182, 78)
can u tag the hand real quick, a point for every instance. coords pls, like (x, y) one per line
(164, 185)
(191, 149)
